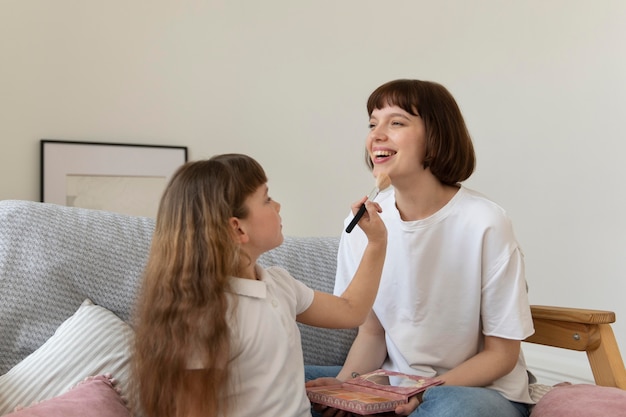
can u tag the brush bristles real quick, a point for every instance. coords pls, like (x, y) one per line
(383, 181)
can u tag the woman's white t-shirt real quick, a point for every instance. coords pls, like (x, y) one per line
(448, 280)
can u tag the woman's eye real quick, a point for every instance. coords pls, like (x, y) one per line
(371, 125)
(397, 123)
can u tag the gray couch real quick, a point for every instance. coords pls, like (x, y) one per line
(53, 257)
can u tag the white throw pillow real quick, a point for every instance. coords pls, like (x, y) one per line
(93, 341)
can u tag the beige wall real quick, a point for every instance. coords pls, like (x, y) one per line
(542, 85)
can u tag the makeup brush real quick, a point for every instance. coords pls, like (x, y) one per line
(382, 181)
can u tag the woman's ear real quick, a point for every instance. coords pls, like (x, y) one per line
(237, 229)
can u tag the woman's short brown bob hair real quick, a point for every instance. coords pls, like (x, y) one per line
(449, 150)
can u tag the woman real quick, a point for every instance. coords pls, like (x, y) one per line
(452, 299)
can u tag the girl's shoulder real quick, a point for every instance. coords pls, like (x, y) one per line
(280, 277)
(276, 275)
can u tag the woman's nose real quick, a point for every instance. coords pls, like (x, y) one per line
(378, 133)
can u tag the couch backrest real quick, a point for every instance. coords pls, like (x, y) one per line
(52, 257)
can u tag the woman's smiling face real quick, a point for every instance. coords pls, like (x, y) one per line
(396, 142)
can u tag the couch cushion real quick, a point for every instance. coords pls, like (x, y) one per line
(93, 341)
(96, 397)
(581, 400)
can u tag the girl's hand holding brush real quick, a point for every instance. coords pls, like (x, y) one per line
(382, 182)
(370, 222)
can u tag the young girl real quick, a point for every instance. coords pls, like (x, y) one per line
(452, 300)
(216, 334)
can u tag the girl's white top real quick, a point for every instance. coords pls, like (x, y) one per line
(266, 354)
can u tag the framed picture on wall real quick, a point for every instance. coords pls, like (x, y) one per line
(119, 177)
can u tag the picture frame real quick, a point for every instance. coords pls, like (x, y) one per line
(120, 177)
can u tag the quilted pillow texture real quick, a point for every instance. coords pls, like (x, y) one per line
(93, 341)
(94, 397)
(582, 400)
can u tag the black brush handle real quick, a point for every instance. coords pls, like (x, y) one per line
(356, 219)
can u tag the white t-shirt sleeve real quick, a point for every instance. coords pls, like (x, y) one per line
(304, 296)
(301, 293)
(505, 310)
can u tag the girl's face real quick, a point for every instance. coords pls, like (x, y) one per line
(263, 223)
(396, 142)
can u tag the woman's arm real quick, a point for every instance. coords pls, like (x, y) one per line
(368, 351)
(497, 359)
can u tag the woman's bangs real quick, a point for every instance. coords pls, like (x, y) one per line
(392, 95)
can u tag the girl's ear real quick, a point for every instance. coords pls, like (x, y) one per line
(237, 230)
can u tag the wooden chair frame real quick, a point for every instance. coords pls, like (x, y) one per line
(582, 330)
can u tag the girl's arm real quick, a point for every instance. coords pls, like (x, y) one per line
(351, 308)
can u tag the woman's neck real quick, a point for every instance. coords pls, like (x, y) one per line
(423, 198)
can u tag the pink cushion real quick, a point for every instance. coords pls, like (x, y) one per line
(94, 397)
(582, 400)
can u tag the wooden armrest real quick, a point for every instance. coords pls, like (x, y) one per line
(574, 315)
(583, 330)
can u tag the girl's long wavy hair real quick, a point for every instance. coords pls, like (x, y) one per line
(183, 307)
(449, 150)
